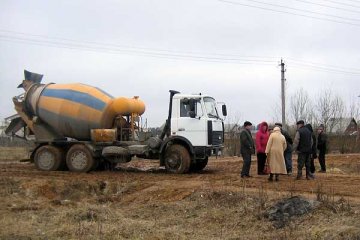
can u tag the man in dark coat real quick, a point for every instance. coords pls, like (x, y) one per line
(247, 149)
(313, 155)
(302, 144)
(322, 146)
(288, 150)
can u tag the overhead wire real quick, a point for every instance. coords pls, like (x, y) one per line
(302, 10)
(327, 6)
(342, 3)
(291, 13)
(127, 47)
(136, 52)
(324, 65)
(320, 68)
(354, 1)
(168, 54)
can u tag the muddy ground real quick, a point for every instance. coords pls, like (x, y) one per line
(141, 201)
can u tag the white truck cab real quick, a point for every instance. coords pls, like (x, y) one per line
(194, 131)
(202, 126)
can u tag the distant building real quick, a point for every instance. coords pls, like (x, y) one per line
(347, 126)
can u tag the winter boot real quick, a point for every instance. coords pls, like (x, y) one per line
(271, 177)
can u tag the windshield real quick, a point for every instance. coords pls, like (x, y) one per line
(210, 106)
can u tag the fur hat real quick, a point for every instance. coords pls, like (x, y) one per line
(300, 122)
(278, 124)
(247, 123)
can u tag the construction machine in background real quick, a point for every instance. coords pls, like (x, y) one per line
(82, 128)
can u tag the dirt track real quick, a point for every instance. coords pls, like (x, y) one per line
(141, 201)
(153, 183)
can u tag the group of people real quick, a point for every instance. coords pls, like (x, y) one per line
(274, 148)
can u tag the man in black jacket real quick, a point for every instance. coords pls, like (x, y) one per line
(303, 144)
(313, 154)
(247, 148)
(321, 146)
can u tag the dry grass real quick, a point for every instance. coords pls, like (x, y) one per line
(217, 204)
(13, 153)
(96, 210)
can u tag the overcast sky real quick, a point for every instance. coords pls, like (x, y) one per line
(227, 49)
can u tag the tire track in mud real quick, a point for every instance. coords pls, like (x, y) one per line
(154, 184)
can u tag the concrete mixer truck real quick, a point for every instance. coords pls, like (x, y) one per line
(82, 128)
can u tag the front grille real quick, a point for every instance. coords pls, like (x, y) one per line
(217, 138)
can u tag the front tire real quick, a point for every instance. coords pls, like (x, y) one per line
(199, 165)
(49, 158)
(80, 159)
(177, 159)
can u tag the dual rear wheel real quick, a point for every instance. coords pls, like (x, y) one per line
(51, 158)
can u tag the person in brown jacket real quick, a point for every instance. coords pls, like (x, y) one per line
(275, 154)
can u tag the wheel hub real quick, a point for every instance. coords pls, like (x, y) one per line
(79, 160)
(46, 160)
(174, 161)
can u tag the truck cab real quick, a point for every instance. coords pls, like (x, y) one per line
(195, 126)
(196, 118)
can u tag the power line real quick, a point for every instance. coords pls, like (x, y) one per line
(354, 1)
(322, 69)
(136, 52)
(323, 5)
(291, 13)
(330, 66)
(302, 10)
(127, 47)
(344, 4)
(167, 54)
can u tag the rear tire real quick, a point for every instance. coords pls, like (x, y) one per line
(49, 158)
(79, 159)
(177, 159)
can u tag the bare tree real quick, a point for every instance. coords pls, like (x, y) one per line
(232, 129)
(354, 110)
(301, 106)
(330, 109)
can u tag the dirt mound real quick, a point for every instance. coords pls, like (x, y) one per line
(283, 211)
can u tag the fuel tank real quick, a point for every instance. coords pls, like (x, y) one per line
(72, 110)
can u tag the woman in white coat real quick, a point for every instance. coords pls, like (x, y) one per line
(275, 154)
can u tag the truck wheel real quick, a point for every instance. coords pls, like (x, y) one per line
(199, 165)
(49, 158)
(177, 159)
(79, 159)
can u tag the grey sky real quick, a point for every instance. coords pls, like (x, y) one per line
(212, 38)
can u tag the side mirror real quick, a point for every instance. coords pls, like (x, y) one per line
(224, 111)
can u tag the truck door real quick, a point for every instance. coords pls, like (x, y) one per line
(190, 127)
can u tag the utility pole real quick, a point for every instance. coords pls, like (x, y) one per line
(283, 93)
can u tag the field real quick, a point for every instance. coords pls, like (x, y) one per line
(141, 201)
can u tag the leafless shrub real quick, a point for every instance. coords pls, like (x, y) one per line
(328, 200)
(9, 186)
